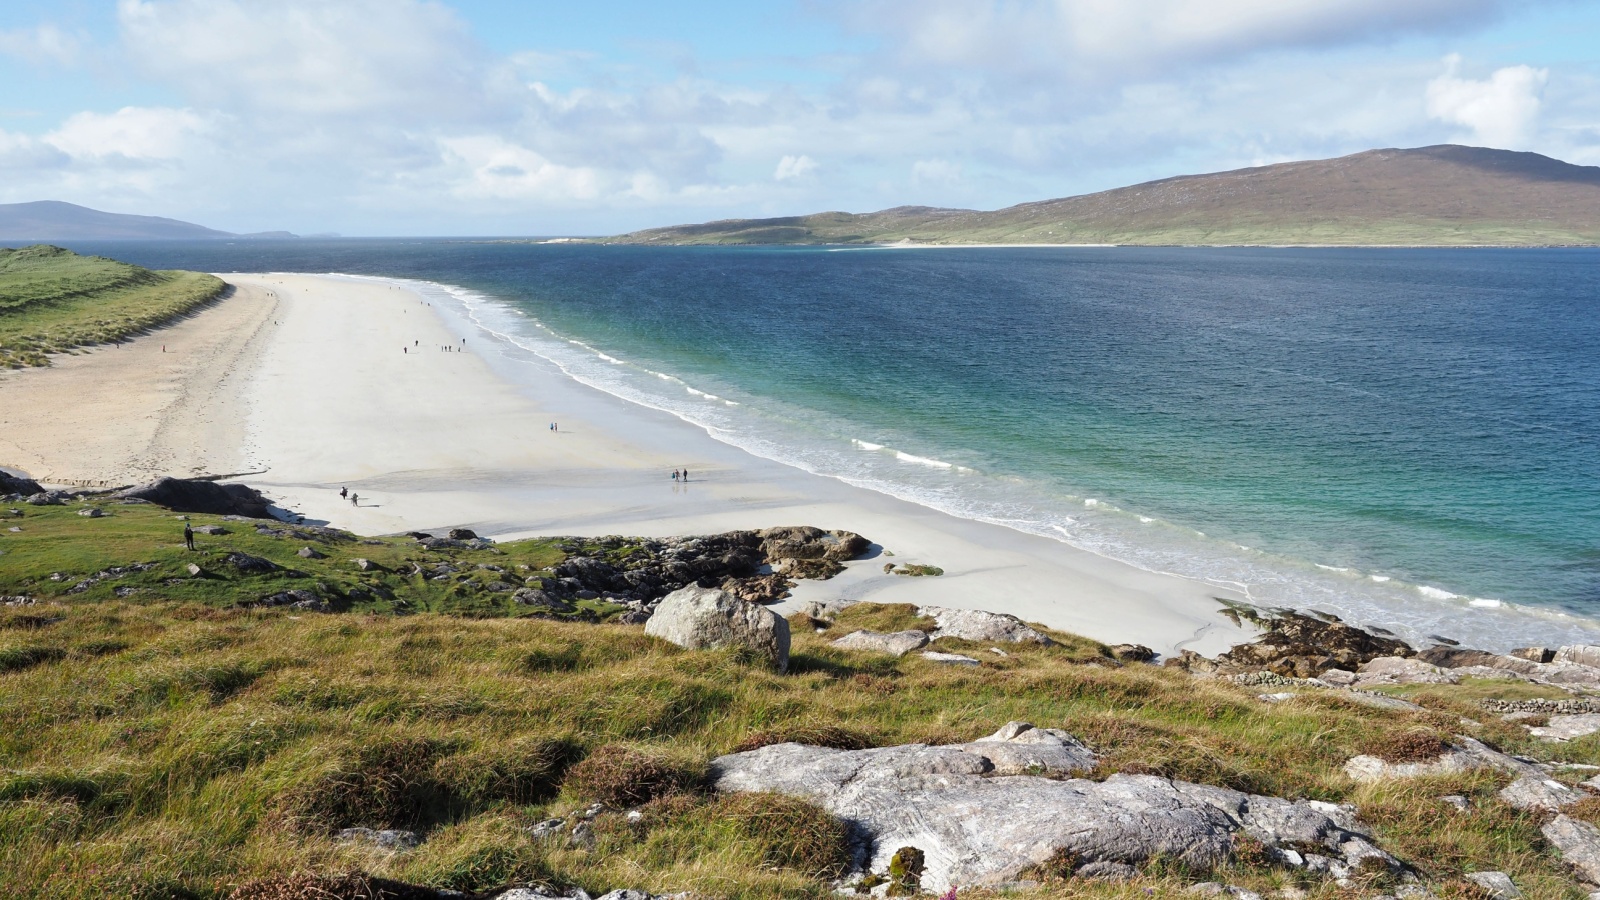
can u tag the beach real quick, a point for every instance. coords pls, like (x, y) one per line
(317, 383)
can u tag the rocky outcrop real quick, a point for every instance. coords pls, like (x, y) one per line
(639, 572)
(896, 643)
(1533, 788)
(705, 618)
(1566, 728)
(1303, 646)
(16, 485)
(975, 822)
(1399, 670)
(198, 496)
(978, 625)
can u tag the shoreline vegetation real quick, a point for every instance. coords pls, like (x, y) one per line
(55, 301)
(1444, 196)
(299, 711)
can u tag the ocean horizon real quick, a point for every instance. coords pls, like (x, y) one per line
(1404, 438)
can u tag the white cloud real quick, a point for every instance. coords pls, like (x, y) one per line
(132, 133)
(500, 169)
(1501, 110)
(405, 59)
(41, 44)
(791, 167)
(934, 171)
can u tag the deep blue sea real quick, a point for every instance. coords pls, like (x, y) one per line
(1409, 437)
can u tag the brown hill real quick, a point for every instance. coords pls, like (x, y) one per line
(1445, 195)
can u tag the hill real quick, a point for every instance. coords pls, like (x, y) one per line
(53, 300)
(1445, 195)
(52, 220)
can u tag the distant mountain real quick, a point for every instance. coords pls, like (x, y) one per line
(52, 220)
(1446, 195)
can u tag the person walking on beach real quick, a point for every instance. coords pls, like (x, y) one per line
(188, 536)
(344, 492)
(355, 499)
(674, 474)
(685, 476)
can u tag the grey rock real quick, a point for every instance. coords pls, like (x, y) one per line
(633, 617)
(250, 565)
(977, 826)
(1578, 843)
(211, 530)
(1380, 701)
(1338, 677)
(1402, 670)
(1580, 654)
(193, 569)
(541, 600)
(366, 565)
(954, 659)
(626, 894)
(825, 609)
(704, 618)
(1456, 801)
(1534, 654)
(1132, 652)
(1465, 755)
(897, 643)
(1565, 728)
(1105, 870)
(1498, 884)
(463, 534)
(309, 553)
(201, 496)
(387, 839)
(91, 513)
(980, 625)
(1532, 791)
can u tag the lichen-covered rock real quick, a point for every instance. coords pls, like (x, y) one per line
(895, 643)
(977, 825)
(1578, 843)
(704, 618)
(981, 625)
(1566, 728)
(806, 542)
(1400, 670)
(1533, 791)
(949, 659)
(1498, 884)
(1464, 755)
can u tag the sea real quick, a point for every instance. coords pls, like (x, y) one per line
(1406, 438)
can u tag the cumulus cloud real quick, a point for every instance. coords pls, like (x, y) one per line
(41, 44)
(134, 134)
(1500, 110)
(791, 167)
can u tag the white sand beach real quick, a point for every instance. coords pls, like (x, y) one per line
(323, 382)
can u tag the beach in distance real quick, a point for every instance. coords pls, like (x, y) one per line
(317, 383)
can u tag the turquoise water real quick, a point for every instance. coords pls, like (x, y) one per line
(1407, 437)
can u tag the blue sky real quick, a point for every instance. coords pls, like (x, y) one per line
(489, 117)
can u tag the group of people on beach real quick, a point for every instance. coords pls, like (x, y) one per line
(355, 499)
(680, 475)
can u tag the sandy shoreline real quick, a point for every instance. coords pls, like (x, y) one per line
(327, 382)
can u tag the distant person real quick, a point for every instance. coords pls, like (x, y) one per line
(344, 492)
(686, 476)
(188, 536)
(355, 499)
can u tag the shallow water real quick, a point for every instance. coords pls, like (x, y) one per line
(1406, 437)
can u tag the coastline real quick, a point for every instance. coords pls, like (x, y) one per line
(351, 389)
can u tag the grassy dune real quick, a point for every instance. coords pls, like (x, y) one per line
(52, 300)
(169, 743)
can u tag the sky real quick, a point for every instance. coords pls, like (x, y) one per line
(514, 117)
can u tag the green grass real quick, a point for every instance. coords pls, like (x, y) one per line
(52, 300)
(172, 743)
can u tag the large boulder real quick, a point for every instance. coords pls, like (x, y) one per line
(706, 618)
(806, 542)
(986, 812)
(193, 495)
(16, 484)
(1578, 843)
